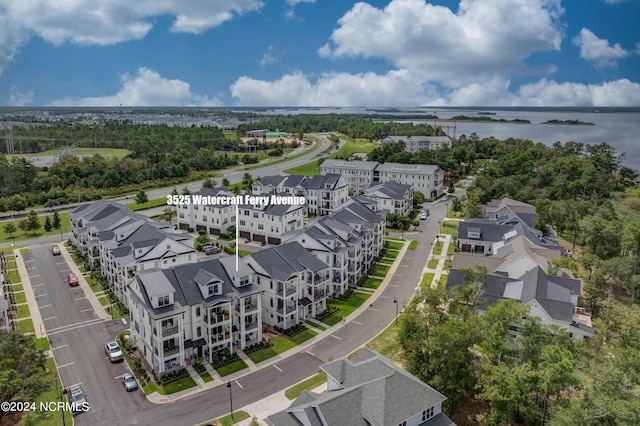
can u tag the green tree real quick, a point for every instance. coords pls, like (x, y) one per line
(141, 198)
(474, 204)
(202, 240)
(10, 228)
(30, 223)
(225, 182)
(207, 183)
(47, 224)
(22, 368)
(167, 214)
(418, 199)
(56, 221)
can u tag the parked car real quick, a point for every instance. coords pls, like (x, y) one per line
(129, 382)
(72, 279)
(77, 399)
(423, 216)
(113, 351)
(55, 250)
(211, 250)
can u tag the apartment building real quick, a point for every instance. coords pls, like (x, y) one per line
(194, 310)
(323, 193)
(267, 223)
(391, 197)
(414, 143)
(214, 219)
(295, 284)
(362, 174)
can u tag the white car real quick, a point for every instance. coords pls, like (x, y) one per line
(423, 216)
(113, 351)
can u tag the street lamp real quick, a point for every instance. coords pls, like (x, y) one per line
(230, 399)
(395, 300)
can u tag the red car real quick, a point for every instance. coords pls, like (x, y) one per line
(72, 279)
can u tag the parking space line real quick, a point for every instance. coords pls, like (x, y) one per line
(356, 322)
(40, 295)
(385, 297)
(45, 306)
(66, 365)
(87, 310)
(277, 368)
(339, 338)
(48, 319)
(80, 298)
(309, 353)
(37, 285)
(34, 276)
(373, 309)
(59, 347)
(239, 385)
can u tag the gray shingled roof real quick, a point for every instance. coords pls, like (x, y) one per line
(376, 392)
(282, 261)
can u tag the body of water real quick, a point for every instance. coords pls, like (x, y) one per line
(621, 130)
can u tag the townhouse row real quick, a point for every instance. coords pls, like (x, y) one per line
(182, 308)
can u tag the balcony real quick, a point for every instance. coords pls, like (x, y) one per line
(170, 351)
(338, 264)
(248, 306)
(251, 325)
(320, 278)
(290, 307)
(286, 290)
(220, 337)
(169, 331)
(214, 319)
(319, 294)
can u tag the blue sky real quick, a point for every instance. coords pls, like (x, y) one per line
(390, 53)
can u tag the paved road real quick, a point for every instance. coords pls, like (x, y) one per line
(77, 336)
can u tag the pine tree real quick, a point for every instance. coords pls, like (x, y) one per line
(47, 224)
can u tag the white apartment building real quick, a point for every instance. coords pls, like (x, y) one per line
(362, 174)
(267, 223)
(295, 284)
(414, 143)
(214, 219)
(194, 310)
(391, 197)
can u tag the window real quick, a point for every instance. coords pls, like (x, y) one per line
(163, 300)
(244, 280)
(198, 311)
(213, 289)
(198, 331)
(427, 414)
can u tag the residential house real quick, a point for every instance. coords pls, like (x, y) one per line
(295, 284)
(552, 299)
(272, 185)
(391, 197)
(194, 310)
(358, 174)
(498, 208)
(366, 390)
(214, 219)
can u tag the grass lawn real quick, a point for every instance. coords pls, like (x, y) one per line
(17, 287)
(231, 368)
(451, 249)
(372, 283)
(309, 384)
(21, 236)
(20, 297)
(413, 244)
(95, 287)
(13, 276)
(280, 345)
(332, 319)
(50, 394)
(433, 264)
(158, 202)
(303, 336)
(427, 278)
(391, 254)
(116, 312)
(382, 270)
(437, 249)
(243, 253)
(174, 387)
(386, 343)
(449, 227)
(238, 416)
(206, 377)
(26, 325)
(347, 307)
(350, 146)
(23, 311)
(396, 245)
(104, 301)
(316, 325)
(42, 344)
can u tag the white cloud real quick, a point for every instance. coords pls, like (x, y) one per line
(295, 2)
(400, 88)
(17, 98)
(483, 38)
(269, 57)
(395, 88)
(104, 22)
(598, 50)
(146, 88)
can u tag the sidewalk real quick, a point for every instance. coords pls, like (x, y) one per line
(278, 401)
(442, 257)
